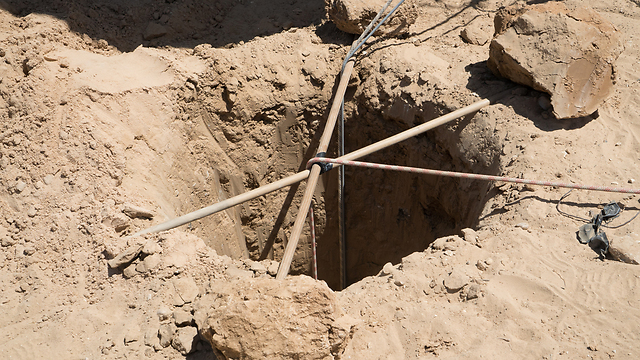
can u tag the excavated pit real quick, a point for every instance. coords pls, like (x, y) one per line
(265, 124)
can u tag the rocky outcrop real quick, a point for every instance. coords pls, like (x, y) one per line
(353, 16)
(568, 53)
(268, 319)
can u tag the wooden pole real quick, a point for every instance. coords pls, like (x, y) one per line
(312, 181)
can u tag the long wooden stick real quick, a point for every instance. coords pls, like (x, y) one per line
(285, 264)
(312, 181)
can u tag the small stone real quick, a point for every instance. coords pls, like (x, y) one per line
(38, 185)
(631, 181)
(489, 261)
(125, 257)
(130, 271)
(185, 340)
(186, 288)
(151, 338)
(20, 186)
(166, 333)
(163, 313)
(472, 292)
(257, 267)
(481, 265)
(387, 269)
(478, 32)
(469, 235)
(182, 318)
(48, 179)
(134, 212)
(32, 211)
(7, 241)
(456, 281)
(523, 225)
(272, 269)
(148, 263)
(29, 250)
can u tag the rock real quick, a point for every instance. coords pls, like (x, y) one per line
(567, 53)
(478, 32)
(153, 31)
(125, 257)
(471, 292)
(469, 235)
(149, 263)
(20, 186)
(135, 212)
(270, 312)
(186, 288)
(481, 265)
(32, 212)
(163, 313)
(48, 179)
(166, 333)
(625, 249)
(257, 267)
(353, 16)
(182, 318)
(185, 340)
(151, 338)
(523, 225)
(7, 241)
(387, 269)
(29, 250)
(130, 271)
(456, 281)
(235, 273)
(272, 269)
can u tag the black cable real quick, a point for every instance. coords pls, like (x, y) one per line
(578, 218)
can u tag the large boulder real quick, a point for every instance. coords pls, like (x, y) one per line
(353, 16)
(567, 53)
(264, 318)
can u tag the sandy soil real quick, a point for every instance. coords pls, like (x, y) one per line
(173, 106)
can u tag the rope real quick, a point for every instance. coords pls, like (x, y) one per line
(472, 176)
(313, 242)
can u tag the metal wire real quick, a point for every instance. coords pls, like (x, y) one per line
(342, 232)
(313, 241)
